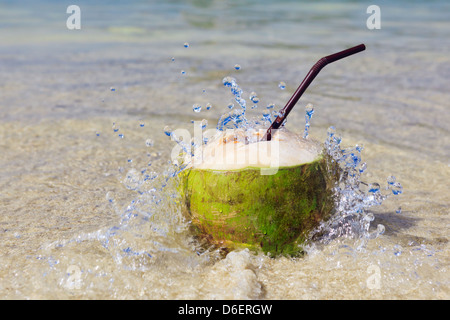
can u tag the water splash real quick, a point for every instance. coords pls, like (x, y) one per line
(352, 196)
(309, 112)
(197, 108)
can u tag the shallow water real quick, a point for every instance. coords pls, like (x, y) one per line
(76, 221)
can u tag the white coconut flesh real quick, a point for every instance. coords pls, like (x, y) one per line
(229, 151)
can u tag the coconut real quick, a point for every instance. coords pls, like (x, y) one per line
(264, 195)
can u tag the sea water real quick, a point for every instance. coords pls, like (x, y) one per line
(89, 208)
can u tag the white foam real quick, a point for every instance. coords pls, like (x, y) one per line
(229, 151)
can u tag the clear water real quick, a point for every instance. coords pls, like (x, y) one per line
(87, 212)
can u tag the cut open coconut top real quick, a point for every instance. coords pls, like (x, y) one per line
(239, 149)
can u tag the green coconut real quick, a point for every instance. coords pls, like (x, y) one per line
(233, 204)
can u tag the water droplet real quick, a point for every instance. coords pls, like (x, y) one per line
(141, 123)
(186, 45)
(197, 108)
(397, 188)
(236, 91)
(399, 210)
(237, 66)
(271, 106)
(374, 187)
(204, 124)
(115, 127)
(266, 116)
(121, 136)
(167, 131)
(132, 179)
(230, 106)
(380, 229)
(229, 81)
(241, 102)
(183, 72)
(149, 143)
(208, 106)
(282, 85)
(173, 59)
(397, 250)
(369, 217)
(331, 131)
(97, 134)
(309, 109)
(112, 89)
(363, 167)
(253, 97)
(391, 180)
(130, 160)
(110, 196)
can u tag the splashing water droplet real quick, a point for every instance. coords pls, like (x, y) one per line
(363, 167)
(391, 180)
(121, 136)
(110, 196)
(241, 102)
(282, 85)
(254, 97)
(397, 188)
(149, 143)
(397, 250)
(204, 124)
(183, 72)
(112, 89)
(141, 123)
(168, 131)
(208, 106)
(115, 127)
(309, 109)
(228, 81)
(266, 116)
(186, 45)
(380, 229)
(230, 106)
(132, 179)
(197, 108)
(374, 187)
(237, 66)
(331, 131)
(271, 106)
(399, 210)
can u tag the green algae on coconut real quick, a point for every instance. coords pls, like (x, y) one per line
(234, 204)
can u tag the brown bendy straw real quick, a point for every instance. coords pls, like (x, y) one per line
(306, 82)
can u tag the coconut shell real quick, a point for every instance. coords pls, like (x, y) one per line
(242, 208)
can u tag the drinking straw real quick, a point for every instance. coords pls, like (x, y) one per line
(306, 82)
